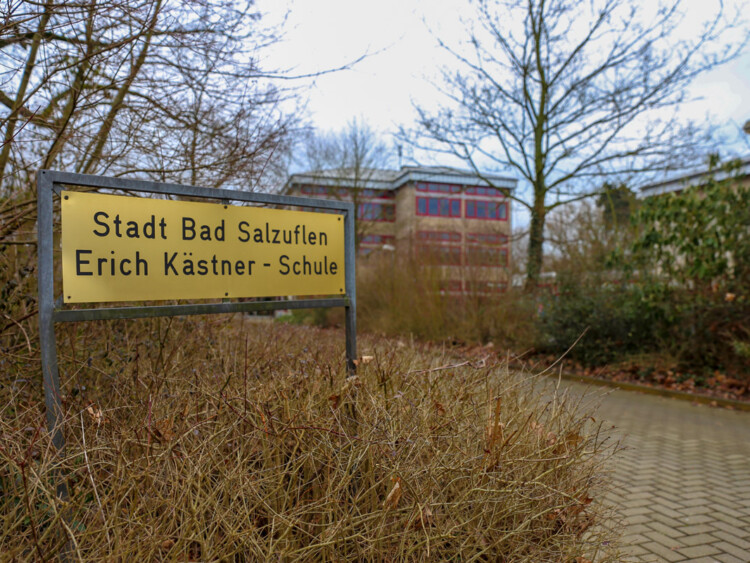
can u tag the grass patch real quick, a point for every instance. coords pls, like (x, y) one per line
(208, 439)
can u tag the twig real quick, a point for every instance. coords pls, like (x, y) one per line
(91, 478)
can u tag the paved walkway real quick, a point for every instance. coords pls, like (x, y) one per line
(683, 483)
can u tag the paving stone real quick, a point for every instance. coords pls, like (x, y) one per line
(726, 547)
(696, 529)
(700, 551)
(683, 480)
(665, 553)
(698, 539)
(727, 558)
(734, 540)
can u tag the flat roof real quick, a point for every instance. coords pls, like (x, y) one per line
(683, 181)
(387, 179)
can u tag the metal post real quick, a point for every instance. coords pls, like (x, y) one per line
(52, 398)
(351, 292)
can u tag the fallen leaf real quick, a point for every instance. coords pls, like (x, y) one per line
(164, 429)
(393, 497)
(97, 415)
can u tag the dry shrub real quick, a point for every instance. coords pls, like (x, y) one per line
(242, 441)
(398, 295)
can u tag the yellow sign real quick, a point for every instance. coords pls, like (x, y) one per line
(117, 248)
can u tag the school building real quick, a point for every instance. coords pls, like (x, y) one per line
(445, 217)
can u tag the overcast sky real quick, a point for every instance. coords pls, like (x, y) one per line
(404, 57)
(404, 61)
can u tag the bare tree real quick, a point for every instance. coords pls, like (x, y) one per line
(570, 95)
(349, 161)
(155, 88)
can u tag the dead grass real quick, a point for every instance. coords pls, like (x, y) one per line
(203, 439)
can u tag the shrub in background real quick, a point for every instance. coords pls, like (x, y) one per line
(397, 295)
(607, 321)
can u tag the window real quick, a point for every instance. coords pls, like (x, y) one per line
(485, 287)
(314, 190)
(438, 188)
(377, 239)
(484, 191)
(449, 286)
(439, 236)
(438, 207)
(440, 255)
(492, 210)
(377, 212)
(486, 256)
(379, 194)
(486, 238)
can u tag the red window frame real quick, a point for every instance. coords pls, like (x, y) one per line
(451, 254)
(494, 239)
(450, 286)
(370, 193)
(481, 286)
(490, 256)
(374, 211)
(377, 239)
(485, 191)
(312, 189)
(439, 236)
(453, 207)
(474, 206)
(438, 188)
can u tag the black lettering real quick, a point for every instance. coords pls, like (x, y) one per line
(202, 267)
(241, 227)
(132, 231)
(228, 265)
(117, 223)
(188, 227)
(122, 267)
(187, 267)
(289, 240)
(239, 267)
(162, 225)
(81, 262)
(311, 238)
(97, 215)
(323, 239)
(150, 232)
(205, 232)
(169, 263)
(275, 236)
(138, 262)
(220, 231)
(214, 262)
(334, 268)
(284, 270)
(258, 235)
(101, 262)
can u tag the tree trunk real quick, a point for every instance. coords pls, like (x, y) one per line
(536, 244)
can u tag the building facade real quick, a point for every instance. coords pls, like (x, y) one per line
(447, 218)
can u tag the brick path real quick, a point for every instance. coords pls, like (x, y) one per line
(683, 484)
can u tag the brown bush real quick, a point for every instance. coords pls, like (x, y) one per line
(202, 439)
(401, 296)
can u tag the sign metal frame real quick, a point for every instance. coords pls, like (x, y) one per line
(49, 184)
